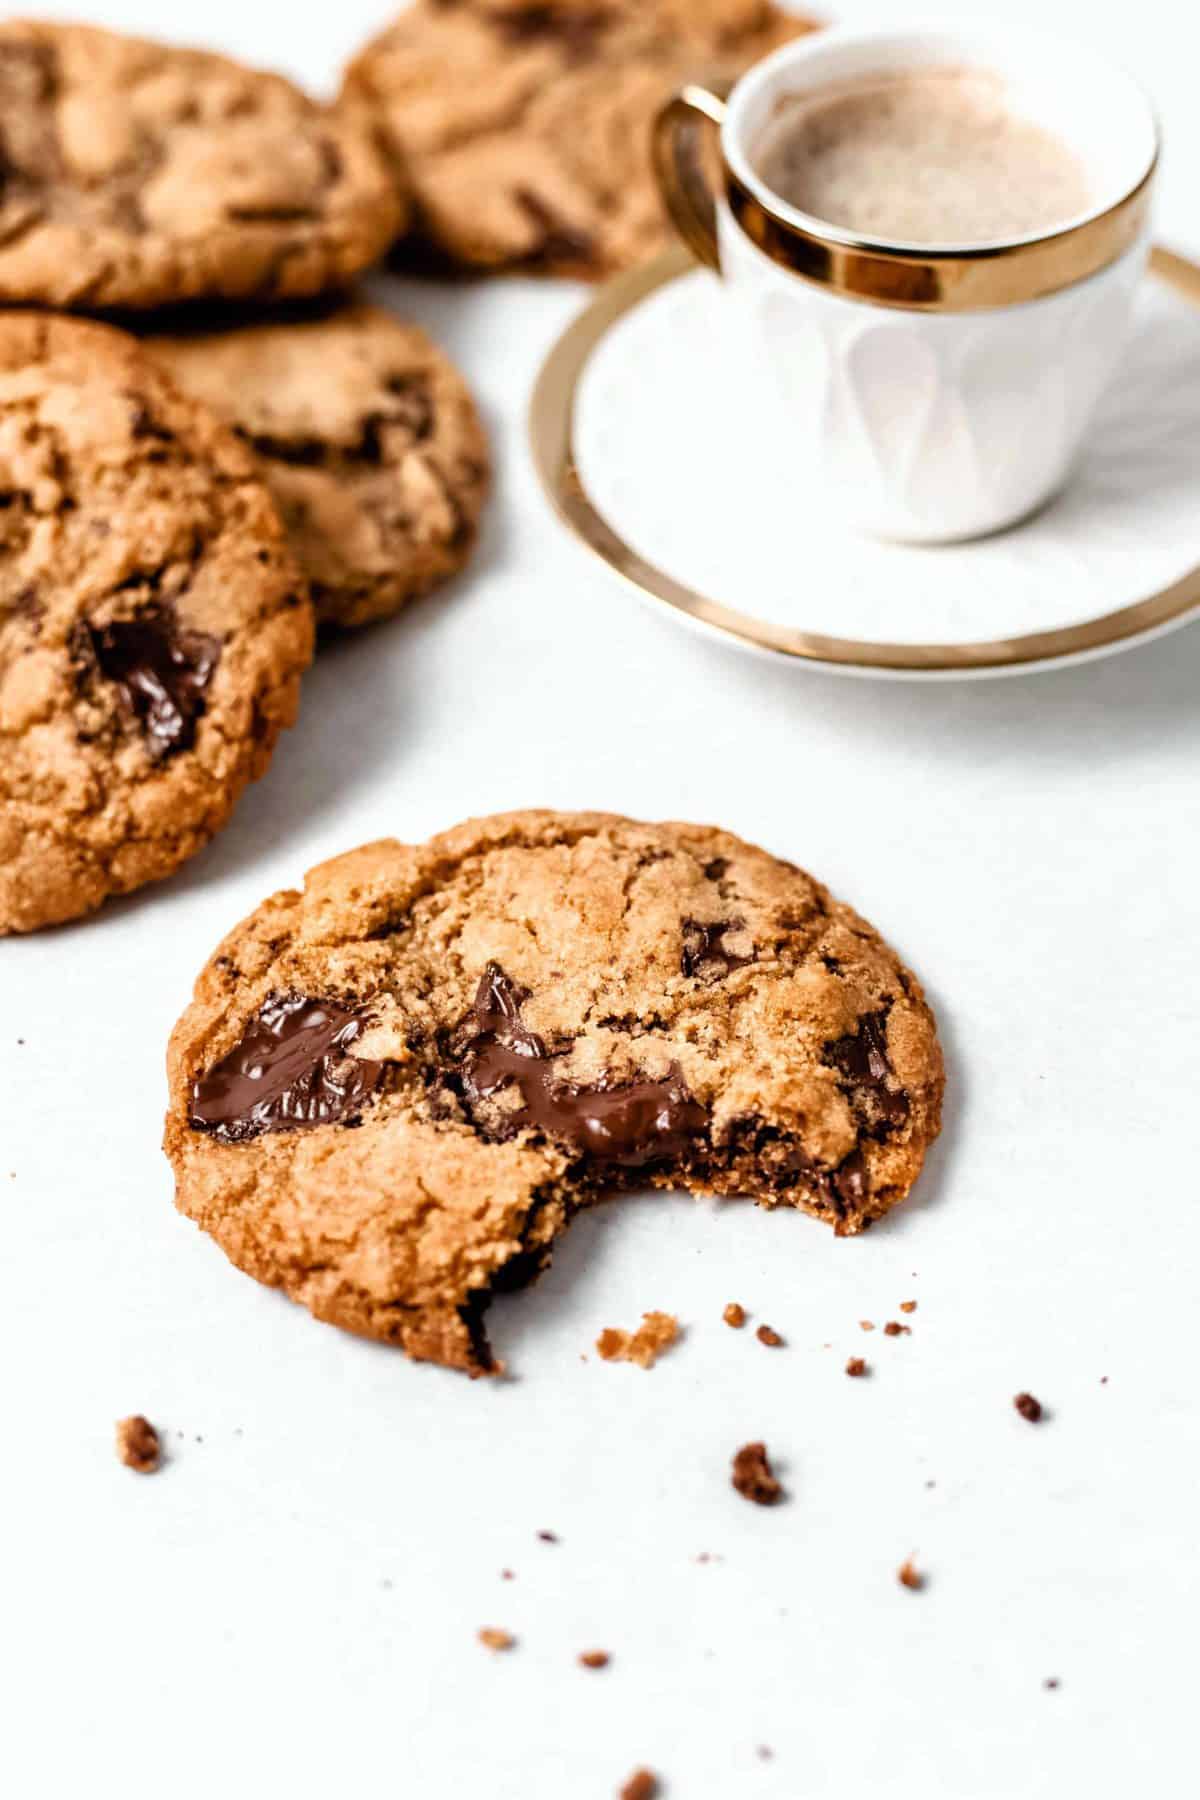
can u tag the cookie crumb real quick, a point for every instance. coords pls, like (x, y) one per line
(492, 1638)
(908, 1306)
(734, 1315)
(656, 1333)
(594, 1659)
(857, 1366)
(507, 1575)
(1028, 1407)
(866, 1325)
(548, 1537)
(909, 1576)
(753, 1476)
(893, 1328)
(137, 1444)
(642, 1785)
(1051, 1681)
(766, 1334)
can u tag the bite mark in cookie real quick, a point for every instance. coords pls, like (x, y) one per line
(502, 1017)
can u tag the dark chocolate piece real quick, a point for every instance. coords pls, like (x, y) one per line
(162, 673)
(630, 1126)
(291, 1069)
(577, 29)
(862, 1060)
(705, 952)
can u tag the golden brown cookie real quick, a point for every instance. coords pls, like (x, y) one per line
(524, 125)
(136, 174)
(392, 1091)
(369, 440)
(153, 625)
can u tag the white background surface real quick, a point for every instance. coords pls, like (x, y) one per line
(290, 1607)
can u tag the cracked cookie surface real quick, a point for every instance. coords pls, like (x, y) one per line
(153, 625)
(393, 1090)
(524, 125)
(370, 442)
(134, 174)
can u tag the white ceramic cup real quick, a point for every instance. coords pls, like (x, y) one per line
(944, 390)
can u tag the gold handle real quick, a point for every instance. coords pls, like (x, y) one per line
(679, 166)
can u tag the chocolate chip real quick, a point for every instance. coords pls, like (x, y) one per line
(856, 1366)
(909, 1576)
(862, 1060)
(734, 1315)
(161, 672)
(577, 29)
(558, 241)
(766, 1334)
(705, 955)
(143, 426)
(1028, 1407)
(415, 411)
(292, 1068)
(629, 1126)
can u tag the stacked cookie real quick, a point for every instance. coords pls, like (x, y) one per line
(160, 572)
(176, 510)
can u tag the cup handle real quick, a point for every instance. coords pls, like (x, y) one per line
(679, 166)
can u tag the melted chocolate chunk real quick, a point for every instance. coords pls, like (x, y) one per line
(291, 1069)
(630, 1126)
(162, 673)
(559, 241)
(705, 953)
(577, 29)
(863, 1062)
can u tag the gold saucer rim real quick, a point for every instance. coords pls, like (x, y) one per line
(551, 429)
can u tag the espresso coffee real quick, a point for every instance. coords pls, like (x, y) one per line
(937, 156)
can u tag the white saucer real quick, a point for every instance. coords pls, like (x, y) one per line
(662, 449)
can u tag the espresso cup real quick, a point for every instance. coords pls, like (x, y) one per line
(943, 391)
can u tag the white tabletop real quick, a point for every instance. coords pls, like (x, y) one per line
(290, 1607)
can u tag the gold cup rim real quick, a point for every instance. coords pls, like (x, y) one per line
(552, 438)
(916, 277)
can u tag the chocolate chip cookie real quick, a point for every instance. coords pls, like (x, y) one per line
(392, 1091)
(134, 174)
(153, 625)
(524, 125)
(370, 443)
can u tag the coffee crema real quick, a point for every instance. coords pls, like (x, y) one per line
(935, 156)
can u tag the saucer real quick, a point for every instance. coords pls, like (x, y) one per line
(663, 449)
